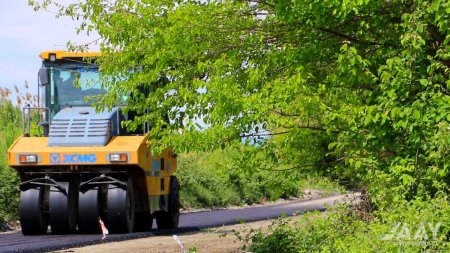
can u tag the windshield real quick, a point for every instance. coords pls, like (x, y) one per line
(74, 84)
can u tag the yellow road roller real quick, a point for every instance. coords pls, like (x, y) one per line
(78, 166)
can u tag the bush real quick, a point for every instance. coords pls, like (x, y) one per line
(9, 191)
(406, 228)
(203, 185)
(229, 177)
(9, 194)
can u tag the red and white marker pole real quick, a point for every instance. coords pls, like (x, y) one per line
(104, 229)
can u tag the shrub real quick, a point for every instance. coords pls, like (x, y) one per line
(231, 177)
(406, 228)
(10, 129)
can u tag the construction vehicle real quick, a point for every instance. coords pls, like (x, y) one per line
(82, 166)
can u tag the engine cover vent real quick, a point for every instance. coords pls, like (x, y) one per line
(70, 128)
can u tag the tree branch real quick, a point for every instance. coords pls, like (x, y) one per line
(293, 168)
(316, 128)
(262, 134)
(286, 114)
(339, 34)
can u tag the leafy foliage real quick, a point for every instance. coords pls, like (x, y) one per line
(346, 87)
(9, 191)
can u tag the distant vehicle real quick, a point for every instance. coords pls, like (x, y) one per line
(83, 166)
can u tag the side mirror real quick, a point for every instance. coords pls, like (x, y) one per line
(43, 76)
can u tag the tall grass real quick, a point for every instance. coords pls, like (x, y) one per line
(10, 129)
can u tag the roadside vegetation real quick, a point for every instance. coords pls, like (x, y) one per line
(236, 176)
(10, 129)
(221, 178)
(347, 229)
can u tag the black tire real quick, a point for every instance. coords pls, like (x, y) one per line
(32, 209)
(120, 209)
(63, 208)
(171, 218)
(143, 222)
(89, 211)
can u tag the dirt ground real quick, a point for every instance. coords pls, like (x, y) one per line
(213, 240)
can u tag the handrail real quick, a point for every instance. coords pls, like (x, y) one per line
(26, 117)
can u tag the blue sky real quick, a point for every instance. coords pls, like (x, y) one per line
(24, 33)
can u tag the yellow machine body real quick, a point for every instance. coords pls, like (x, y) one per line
(157, 169)
(61, 54)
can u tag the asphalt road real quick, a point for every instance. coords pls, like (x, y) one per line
(16, 242)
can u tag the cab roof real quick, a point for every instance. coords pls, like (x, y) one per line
(61, 54)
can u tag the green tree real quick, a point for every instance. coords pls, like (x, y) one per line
(358, 89)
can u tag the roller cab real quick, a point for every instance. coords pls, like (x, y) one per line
(78, 166)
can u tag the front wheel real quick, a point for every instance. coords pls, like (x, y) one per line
(121, 208)
(89, 210)
(33, 210)
(63, 208)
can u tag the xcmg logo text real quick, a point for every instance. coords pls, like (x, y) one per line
(72, 158)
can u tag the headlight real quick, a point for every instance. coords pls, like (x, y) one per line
(118, 157)
(28, 158)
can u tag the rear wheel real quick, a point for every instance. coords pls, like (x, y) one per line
(121, 208)
(63, 208)
(170, 219)
(33, 210)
